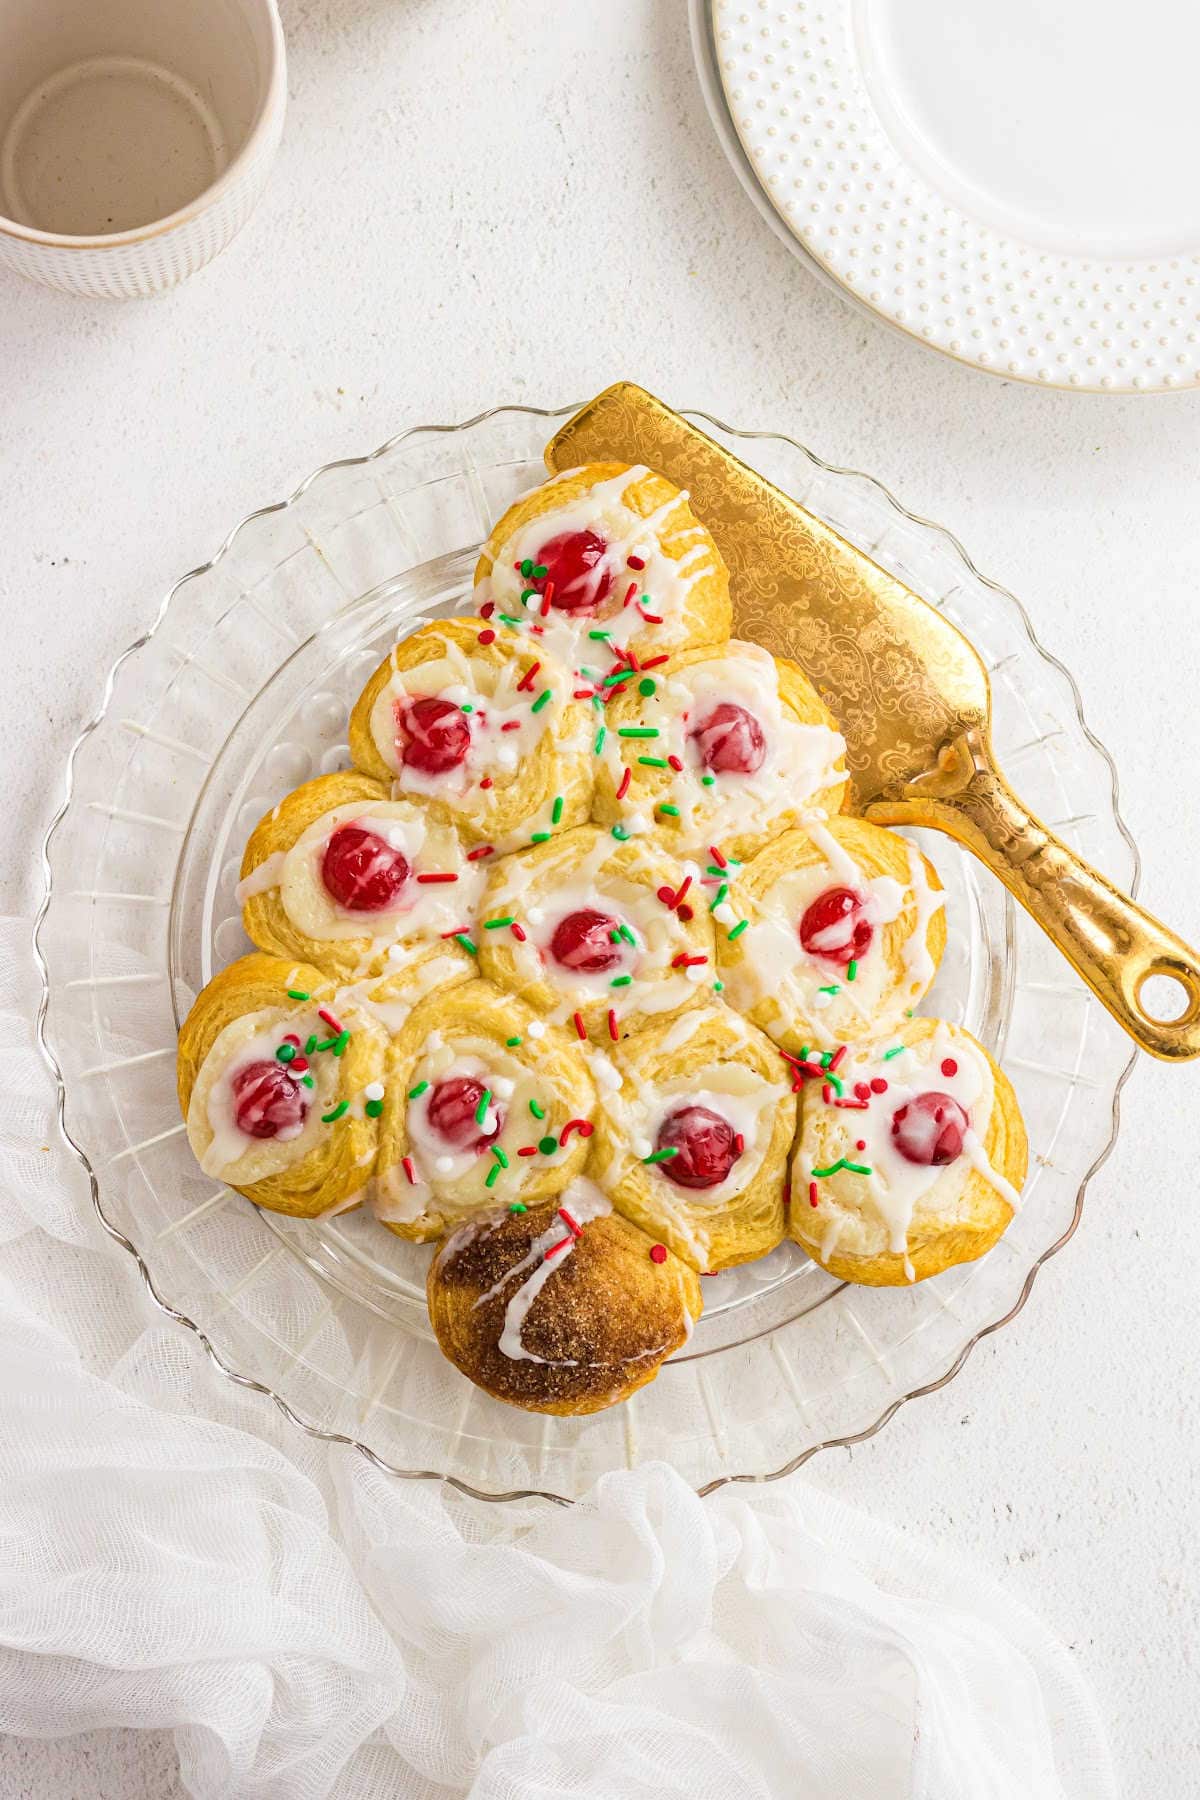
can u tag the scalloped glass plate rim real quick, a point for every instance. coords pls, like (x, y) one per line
(49, 1054)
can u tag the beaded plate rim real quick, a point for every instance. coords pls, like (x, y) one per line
(50, 1056)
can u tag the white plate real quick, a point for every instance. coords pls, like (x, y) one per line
(1011, 184)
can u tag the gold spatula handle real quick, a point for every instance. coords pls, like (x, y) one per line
(1115, 946)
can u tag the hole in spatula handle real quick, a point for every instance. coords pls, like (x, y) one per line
(1168, 996)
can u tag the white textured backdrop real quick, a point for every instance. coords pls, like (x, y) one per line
(477, 203)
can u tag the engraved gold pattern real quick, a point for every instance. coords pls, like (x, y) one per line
(911, 696)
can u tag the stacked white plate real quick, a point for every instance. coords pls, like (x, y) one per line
(1011, 183)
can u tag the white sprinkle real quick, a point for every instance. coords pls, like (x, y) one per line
(502, 1087)
(373, 1090)
(534, 914)
(443, 1164)
(535, 1029)
(724, 914)
(641, 1146)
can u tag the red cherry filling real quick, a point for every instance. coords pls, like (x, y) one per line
(431, 734)
(574, 562)
(706, 1146)
(730, 741)
(452, 1108)
(583, 941)
(929, 1130)
(836, 927)
(362, 871)
(267, 1100)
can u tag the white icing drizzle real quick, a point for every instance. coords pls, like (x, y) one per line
(667, 580)
(262, 879)
(221, 1148)
(584, 1202)
(799, 759)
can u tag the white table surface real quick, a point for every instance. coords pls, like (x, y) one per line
(477, 204)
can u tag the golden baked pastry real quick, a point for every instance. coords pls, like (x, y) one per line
(846, 930)
(277, 1088)
(910, 1158)
(340, 873)
(693, 1145)
(605, 560)
(479, 725)
(485, 1103)
(596, 933)
(563, 1307)
(724, 744)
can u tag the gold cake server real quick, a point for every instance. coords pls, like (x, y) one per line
(910, 694)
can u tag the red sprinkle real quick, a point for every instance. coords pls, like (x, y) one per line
(675, 764)
(298, 1065)
(717, 857)
(687, 882)
(626, 778)
(333, 1024)
(579, 1026)
(612, 1025)
(511, 725)
(861, 1144)
(526, 681)
(635, 562)
(863, 1090)
(487, 609)
(538, 630)
(652, 618)
(813, 1196)
(555, 1248)
(519, 933)
(584, 694)
(480, 852)
(437, 875)
(459, 931)
(949, 1067)
(837, 1056)
(658, 1253)
(684, 961)
(878, 1085)
(575, 1229)
(853, 1105)
(582, 1127)
(665, 894)
(547, 597)
(528, 1150)
(654, 662)
(739, 1144)
(291, 1038)
(487, 637)
(486, 782)
(410, 1170)
(631, 591)
(685, 913)
(827, 1094)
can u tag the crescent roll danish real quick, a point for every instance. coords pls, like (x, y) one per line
(693, 1145)
(606, 559)
(479, 725)
(485, 1103)
(592, 933)
(561, 1308)
(846, 930)
(340, 873)
(277, 1089)
(912, 1161)
(724, 744)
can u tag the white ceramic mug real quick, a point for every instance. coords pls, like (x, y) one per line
(135, 136)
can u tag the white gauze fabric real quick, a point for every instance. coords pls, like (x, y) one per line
(174, 1554)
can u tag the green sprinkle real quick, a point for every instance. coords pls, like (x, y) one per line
(718, 897)
(485, 1100)
(638, 731)
(496, 924)
(546, 694)
(624, 931)
(657, 1156)
(614, 936)
(620, 833)
(548, 1145)
(832, 989)
(556, 811)
(517, 1206)
(537, 1109)
(653, 762)
(820, 1174)
(601, 637)
(527, 567)
(308, 1081)
(712, 869)
(541, 837)
(647, 686)
(738, 929)
(286, 1052)
(909, 1013)
(620, 981)
(718, 987)
(493, 1176)
(297, 994)
(858, 1168)
(540, 571)
(311, 1045)
(620, 676)
(339, 1043)
(529, 594)
(460, 937)
(708, 780)
(835, 1081)
(329, 1117)
(511, 1043)
(826, 1059)
(499, 1155)
(803, 1053)
(414, 1093)
(507, 619)
(327, 1045)
(672, 812)
(896, 1050)
(598, 746)
(851, 970)
(373, 1108)
(466, 707)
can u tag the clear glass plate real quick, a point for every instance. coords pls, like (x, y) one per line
(240, 690)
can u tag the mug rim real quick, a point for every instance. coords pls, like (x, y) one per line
(274, 96)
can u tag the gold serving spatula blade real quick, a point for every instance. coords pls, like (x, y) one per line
(911, 696)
